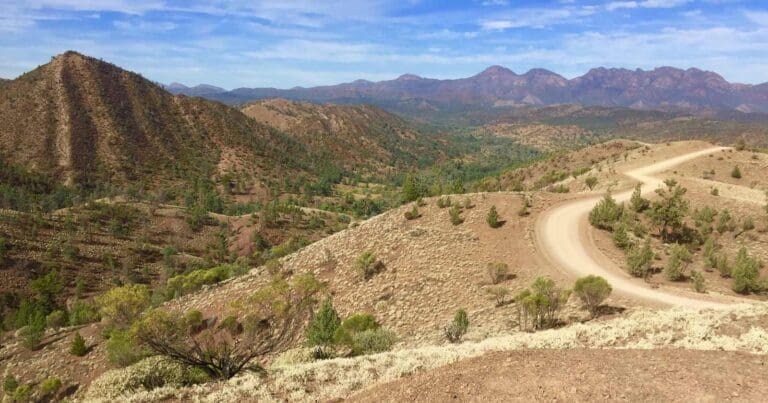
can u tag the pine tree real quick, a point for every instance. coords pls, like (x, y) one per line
(78, 347)
(321, 330)
(639, 259)
(410, 191)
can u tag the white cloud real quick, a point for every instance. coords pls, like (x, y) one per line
(758, 17)
(615, 5)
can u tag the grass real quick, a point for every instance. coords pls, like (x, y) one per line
(327, 379)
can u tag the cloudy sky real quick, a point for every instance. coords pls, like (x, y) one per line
(286, 43)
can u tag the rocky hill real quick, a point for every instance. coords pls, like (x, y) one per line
(660, 88)
(88, 123)
(359, 137)
(196, 91)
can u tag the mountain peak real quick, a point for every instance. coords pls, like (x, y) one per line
(496, 70)
(408, 77)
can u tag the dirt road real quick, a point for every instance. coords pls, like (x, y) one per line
(563, 236)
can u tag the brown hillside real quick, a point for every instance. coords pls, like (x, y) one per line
(359, 137)
(86, 122)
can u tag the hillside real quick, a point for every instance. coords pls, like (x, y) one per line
(497, 86)
(362, 138)
(88, 123)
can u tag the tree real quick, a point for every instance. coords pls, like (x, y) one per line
(410, 190)
(537, 307)
(736, 172)
(590, 181)
(270, 320)
(458, 327)
(639, 259)
(745, 273)
(592, 291)
(47, 288)
(492, 218)
(668, 213)
(699, 284)
(621, 237)
(322, 329)
(606, 213)
(637, 202)
(78, 347)
(121, 306)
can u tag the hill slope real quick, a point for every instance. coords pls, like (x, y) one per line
(360, 136)
(86, 122)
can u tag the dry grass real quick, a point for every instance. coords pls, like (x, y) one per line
(675, 328)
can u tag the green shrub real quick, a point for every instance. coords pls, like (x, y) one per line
(78, 347)
(468, 203)
(736, 172)
(56, 319)
(722, 265)
(498, 272)
(590, 181)
(413, 213)
(32, 334)
(559, 188)
(637, 203)
(372, 341)
(499, 294)
(698, 282)
(82, 313)
(322, 329)
(121, 306)
(621, 237)
(458, 327)
(50, 386)
(368, 266)
(745, 273)
(673, 270)
(4, 249)
(444, 201)
(493, 218)
(352, 325)
(725, 222)
(592, 291)
(195, 280)
(194, 319)
(455, 214)
(606, 213)
(538, 307)
(715, 191)
(639, 259)
(122, 349)
(748, 224)
(10, 384)
(23, 393)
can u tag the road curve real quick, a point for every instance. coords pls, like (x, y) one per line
(562, 234)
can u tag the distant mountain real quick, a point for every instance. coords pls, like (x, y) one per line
(663, 88)
(88, 123)
(196, 91)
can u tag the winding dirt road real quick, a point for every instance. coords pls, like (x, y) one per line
(563, 236)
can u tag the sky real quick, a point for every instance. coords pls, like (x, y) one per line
(287, 43)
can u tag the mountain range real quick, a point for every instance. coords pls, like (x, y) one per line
(663, 88)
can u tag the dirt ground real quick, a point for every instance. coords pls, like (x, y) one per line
(586, 375)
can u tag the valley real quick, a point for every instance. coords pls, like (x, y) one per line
(167, 247)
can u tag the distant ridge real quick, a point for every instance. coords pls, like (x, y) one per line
(663, 88)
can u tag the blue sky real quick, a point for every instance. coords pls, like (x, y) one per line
(304, 43)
